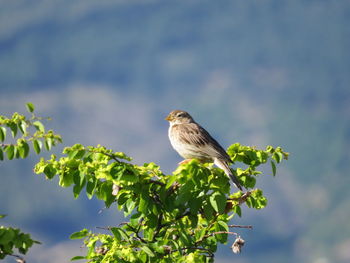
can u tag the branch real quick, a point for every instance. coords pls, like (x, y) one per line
(241, 199)
(240, 226)
(155, 182)
(220, 232)
(136, 231)
(211, 254)
(159, 227)
(172, 188)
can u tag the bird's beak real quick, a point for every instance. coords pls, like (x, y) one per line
(168, 118)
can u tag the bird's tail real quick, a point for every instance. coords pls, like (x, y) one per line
(224, 166)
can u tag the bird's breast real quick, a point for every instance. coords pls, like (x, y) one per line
(184, 148)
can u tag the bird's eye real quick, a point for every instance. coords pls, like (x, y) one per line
(181, 115)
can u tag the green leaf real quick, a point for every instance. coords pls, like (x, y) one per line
(194, 204)
(171, 180)
(23, 149)
(237, 209)
(90, 187)
(208, 211)
(13, 128)
(2, 133)
(39, 126)
(248, 181)
(10, 150)
(152, 220)
(273, 165)
(77, 258)
(135, 219)
(49, 171)
(22, 126)
(1, 155)
(48, 144)
(80, 234)
(129, 206)
(2, 215)
(185, 193)
(119, 234)
(221, 226)
(16, 153)
(79, 182)
(143, 205)
(7, 236)
(218, 202)
(148, 251)
(66, 179)
(37, 145)
(277, 156)
(30, 107)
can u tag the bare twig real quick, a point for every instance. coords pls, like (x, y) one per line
(220, 232)
(240, 226)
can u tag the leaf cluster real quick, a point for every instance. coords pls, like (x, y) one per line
(11, 238)
(171, 218)
(25, 131)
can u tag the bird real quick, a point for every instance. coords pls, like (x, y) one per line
(192, 141)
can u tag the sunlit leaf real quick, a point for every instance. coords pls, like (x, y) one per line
(237, 210)
(90, 187)
(13, 128)
(148, 251)
(30, 107)
(218, 202)
(37, 145)
(273, 165)
(22, 127)
(80, 234)
(10, 151)
(23, 149)
(77, 258)
(48, 144)
(39, 126)
(2, 133)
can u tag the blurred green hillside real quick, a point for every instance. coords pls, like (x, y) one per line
(258, 72)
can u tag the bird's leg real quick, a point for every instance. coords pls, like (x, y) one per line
(185, 161)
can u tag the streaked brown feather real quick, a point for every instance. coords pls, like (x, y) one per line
(194, 134)
(191, 140)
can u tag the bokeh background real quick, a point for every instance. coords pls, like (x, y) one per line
(256, 72)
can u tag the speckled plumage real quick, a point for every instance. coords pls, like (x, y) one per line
(191, 141)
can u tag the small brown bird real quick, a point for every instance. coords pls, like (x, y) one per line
(191, 141)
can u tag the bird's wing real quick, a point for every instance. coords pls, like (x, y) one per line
(194, 134)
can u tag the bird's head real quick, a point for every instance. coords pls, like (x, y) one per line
(179, 117)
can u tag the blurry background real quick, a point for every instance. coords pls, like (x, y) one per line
(255, 72)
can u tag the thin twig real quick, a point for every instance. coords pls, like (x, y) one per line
(107, 154)
(211, 254)
(155, 182)
(240, 226)
(104, 228)
(220, 232)
(159, 227)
